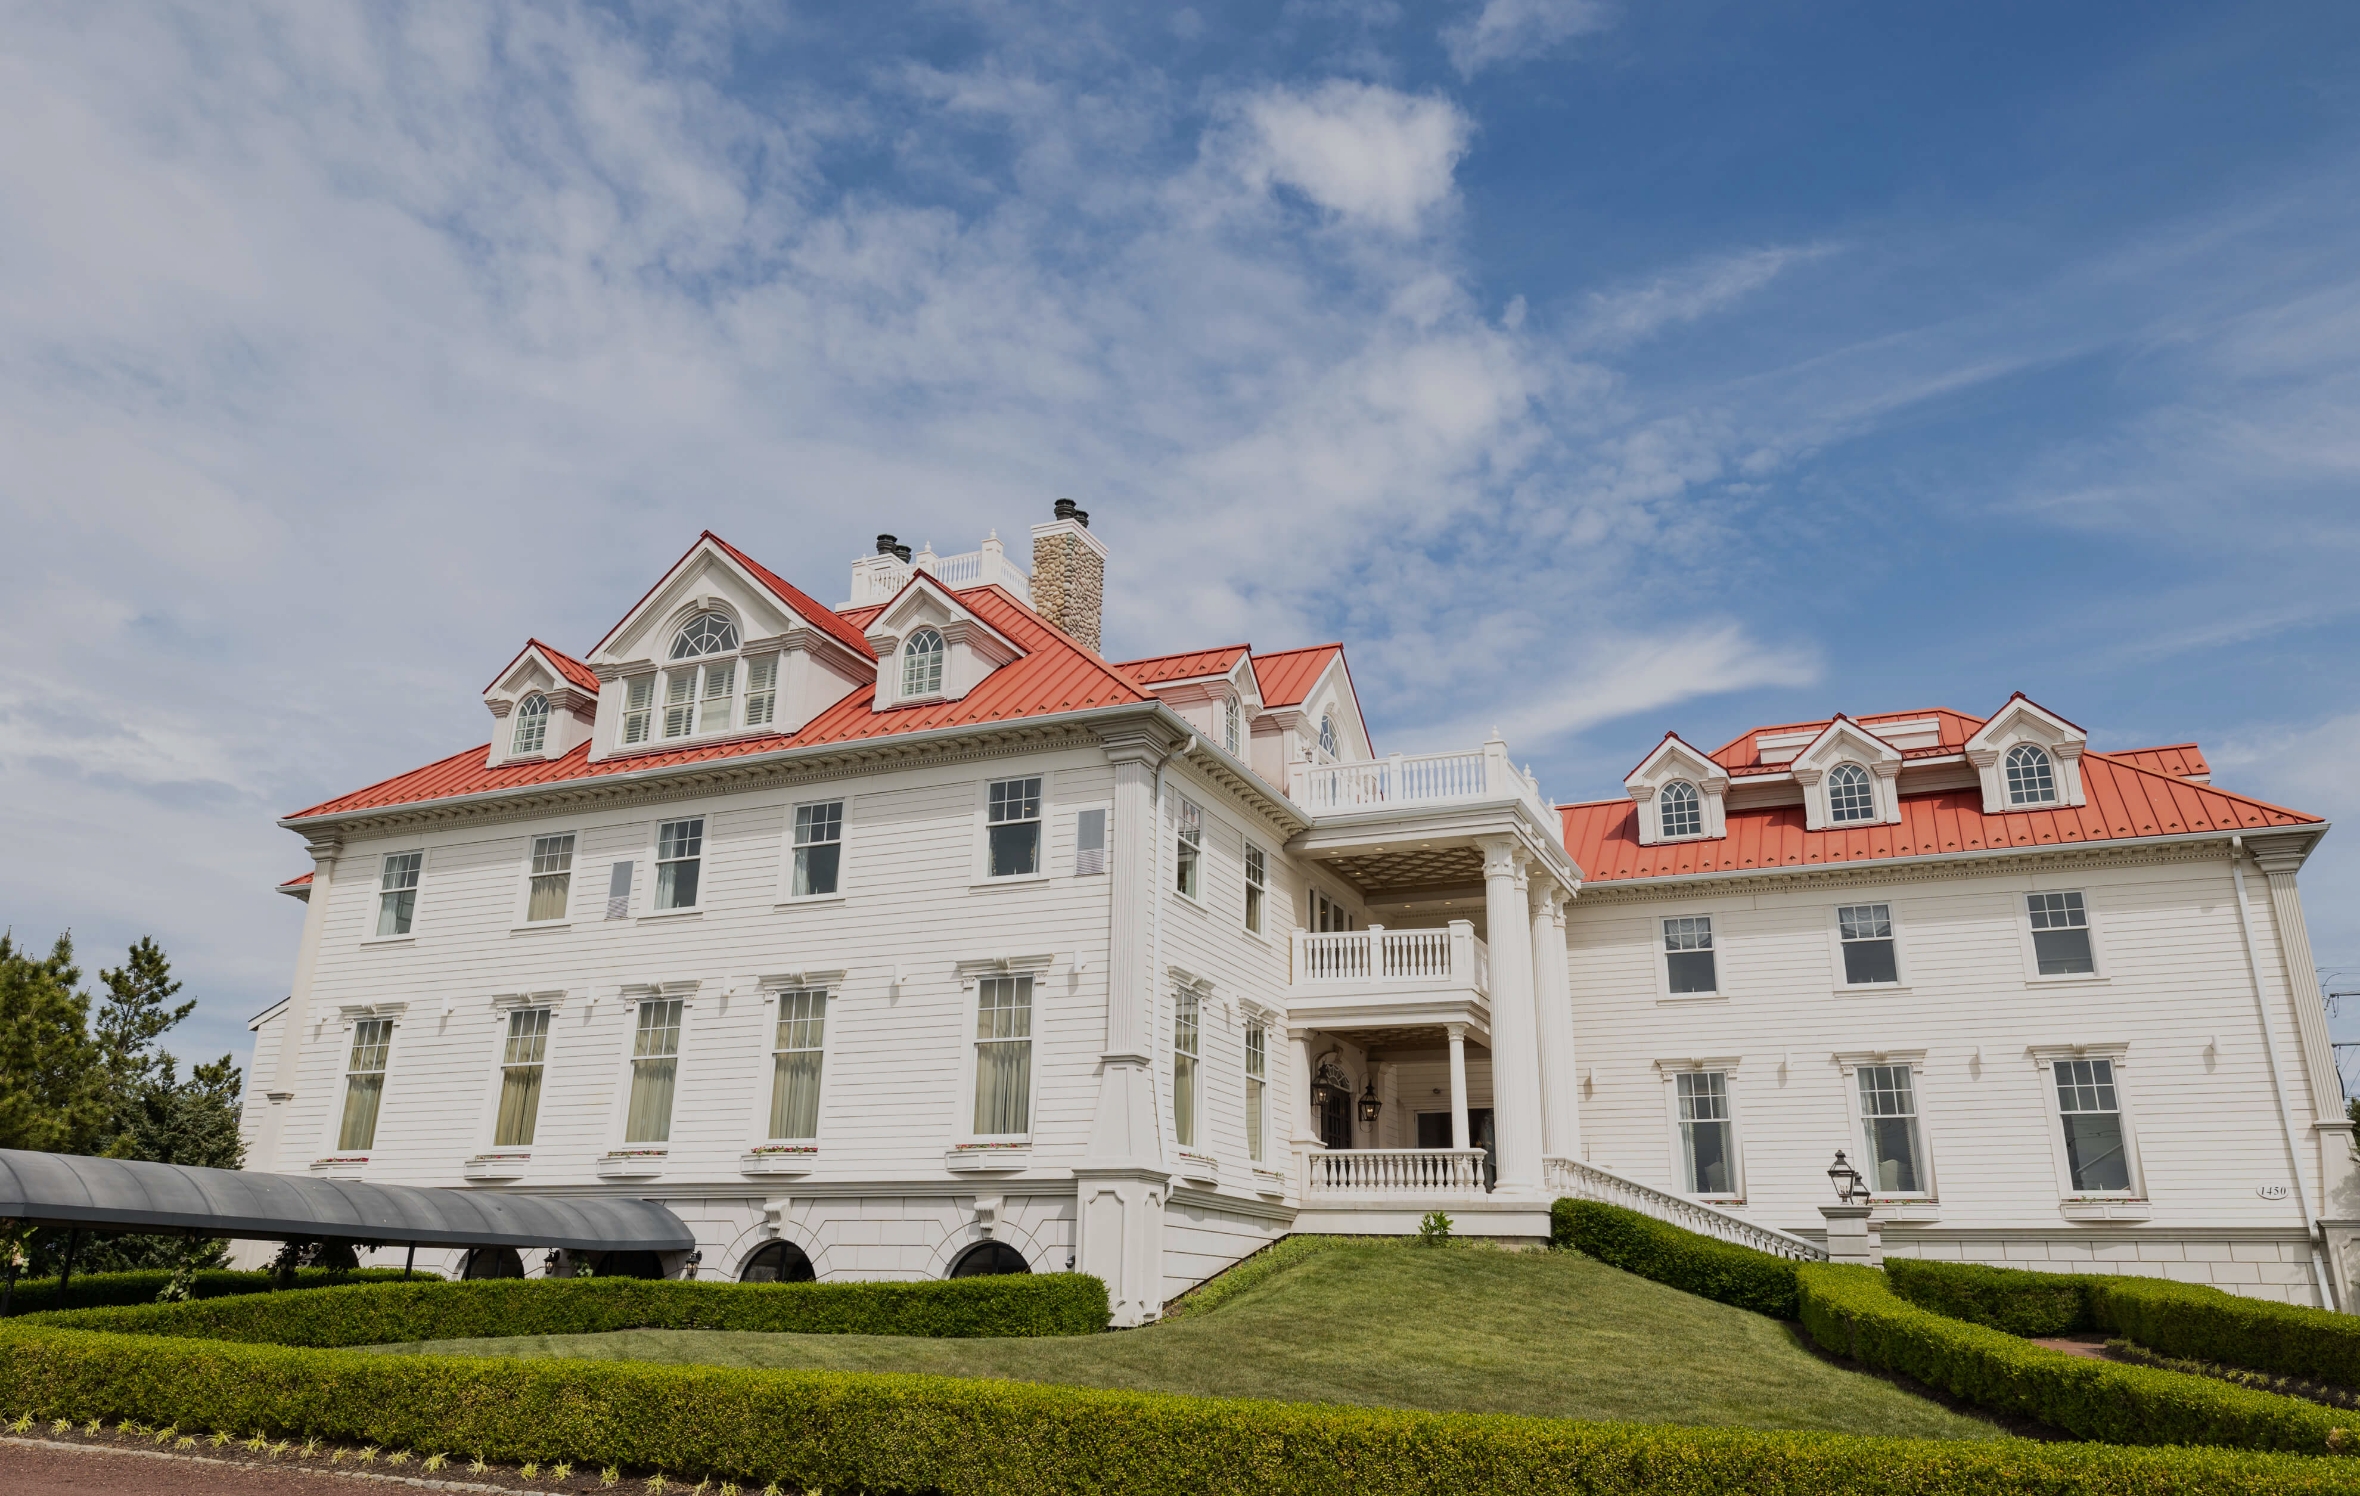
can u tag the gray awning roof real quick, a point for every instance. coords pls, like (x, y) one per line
(59, 1189)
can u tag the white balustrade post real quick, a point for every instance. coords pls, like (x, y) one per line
(1376, 955)
(1515, 1038)
(1458, 1085)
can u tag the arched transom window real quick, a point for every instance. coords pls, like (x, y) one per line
(921, 664)
(705, 634)
(1327, 735)
(1682, 811)
(2031, 778)
(532, 724)
(1849, 797)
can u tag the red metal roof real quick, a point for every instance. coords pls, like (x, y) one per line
(801, 602)
(300, 880)
(1287, 677)
(2126, 802)
(572, 669)
(1186, 665)
(1053, 675)
(1740, 756)
(2185, 760)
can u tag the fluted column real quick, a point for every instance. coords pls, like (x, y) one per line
(1552, 993)
(1515, 1037)
(1458, 1086)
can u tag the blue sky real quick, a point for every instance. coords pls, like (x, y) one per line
(1590, 369)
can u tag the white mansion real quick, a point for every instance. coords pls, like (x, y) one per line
(911, 937)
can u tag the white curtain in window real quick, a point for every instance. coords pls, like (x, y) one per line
(1003, 1056)
(655, 1061)
(364, 1084)
(795, 1073)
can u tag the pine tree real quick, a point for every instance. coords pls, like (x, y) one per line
(52, 1096)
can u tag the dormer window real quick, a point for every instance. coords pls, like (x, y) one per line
(1849, 796)
(1683, 810)
(2031, 779)
(1327, 735)
(921, 665)
(532, 725)
(705, 634)
(1229, 725)
(698, 698)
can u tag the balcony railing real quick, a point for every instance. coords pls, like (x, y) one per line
(1378, 957)
(1392, 1171)
(1587, 1181)
(1406, 780)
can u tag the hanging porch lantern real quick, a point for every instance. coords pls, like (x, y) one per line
(1369, 1105)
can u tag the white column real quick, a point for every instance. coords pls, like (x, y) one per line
(1552, 991)
(278, 1092)
(1306, 1125)
(1515, 1038)
(1458, 1086)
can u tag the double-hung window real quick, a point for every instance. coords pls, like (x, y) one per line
(1012, 817)
(655, 1071)
(697, 698)
(713, 716)
(521, 1060)
(680, 858)
(761, 691)
(1187, 1038)
(1866, 933)
(1705, 1141)
(639, 700)
(2089, 1104)
(553, 877)
(1688, 954)
(1257, 1089)
(397, 892)
(819, 848)
(1188, 861)
(795, 1063)
(364, 1084)
(1257, 887)
(1003, 1056)
(1891, 1144)
(2060, 934)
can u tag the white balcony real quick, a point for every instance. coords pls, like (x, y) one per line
(1381, 1174)
(1380, 978)
(1414, 781)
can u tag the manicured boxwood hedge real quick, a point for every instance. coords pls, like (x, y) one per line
(1705, 1267)
(1852, 1311)
(379, 1314)
(2192, 1321)
(839, 1431)
(101, 1290)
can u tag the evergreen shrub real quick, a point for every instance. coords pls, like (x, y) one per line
(1653, 1249)
(109, 1290)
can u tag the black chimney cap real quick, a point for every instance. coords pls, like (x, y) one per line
(1084, 516)
(1065, 509)
(902, 551)
(885, 546)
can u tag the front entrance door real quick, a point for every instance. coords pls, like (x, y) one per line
(1335, 1118)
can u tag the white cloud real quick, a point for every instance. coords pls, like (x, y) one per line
(1614, 319)
(1520, 30)
(1359, 150)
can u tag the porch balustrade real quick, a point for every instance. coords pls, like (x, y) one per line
(1588, 1181)
(1406, 780)
(1392, 1171)
(1378, 957)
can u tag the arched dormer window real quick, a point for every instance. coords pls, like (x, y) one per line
(1229, 725)
(921, 664)
(1327, 735)
(705, 634)
(532, 725)
(1849, 797)
(2031, 778)
(1680, 810)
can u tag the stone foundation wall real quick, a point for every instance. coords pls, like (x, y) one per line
(2258, 1265)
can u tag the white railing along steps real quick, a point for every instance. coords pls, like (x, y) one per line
(1588, 1181)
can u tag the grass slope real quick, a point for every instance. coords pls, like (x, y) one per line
(1550, 1334)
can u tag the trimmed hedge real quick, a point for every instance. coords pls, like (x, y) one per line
(387, 1313)
(2191, 1321)
(103, 1290)
(1852, 1311)
(1653, 1249)
(840, 1431)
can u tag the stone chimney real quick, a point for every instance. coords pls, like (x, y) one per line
(1069, 573)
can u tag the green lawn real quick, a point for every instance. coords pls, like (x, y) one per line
(1551, 1334)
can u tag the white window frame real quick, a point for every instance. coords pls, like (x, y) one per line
(2097, 976)
(656, 863)
(416, 890)
(789, 846)
(1313, 896)
(1914, 1060)
(764, 698)
(1257, 1101)
(516, 721)
(1704, 823)
(1188, 817)
(1190, 995)
(488, 1125)
(1669, 1071)
(982, 875)
(906, 657)
(1835, 950)
(344, 1075)
(1105, 848)
(1663, 965)
(2044, 1059)
(971, 1066)
(1827, 789)
(641, 715)
(524, 894)
(2056, 795)
(766, 1091)
(1331, 742)
(629, 999)
(1256, 916)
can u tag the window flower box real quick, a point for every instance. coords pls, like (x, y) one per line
(2105, 1210)
(632, 1163)
(780, 1158)
(1202, 1168)
(496, 1165)
(1269, 1183)
(341, 1166)
(988, 1158)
